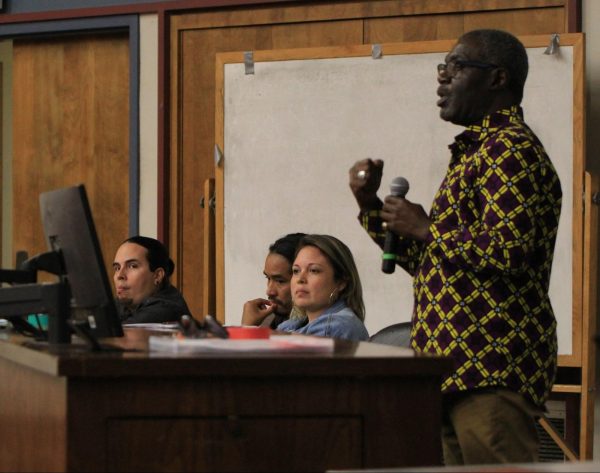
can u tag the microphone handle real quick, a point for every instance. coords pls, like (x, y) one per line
(388, 263)
(399, 188)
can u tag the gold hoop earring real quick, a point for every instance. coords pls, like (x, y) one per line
(331, 299)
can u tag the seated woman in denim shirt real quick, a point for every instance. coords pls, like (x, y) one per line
(326, 289)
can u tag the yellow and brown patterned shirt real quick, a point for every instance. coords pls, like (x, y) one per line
(481, 278)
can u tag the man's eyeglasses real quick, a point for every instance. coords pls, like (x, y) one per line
(450, 69)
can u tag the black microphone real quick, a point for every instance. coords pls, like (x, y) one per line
(398, 188)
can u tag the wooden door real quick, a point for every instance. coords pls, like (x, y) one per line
(71, 126)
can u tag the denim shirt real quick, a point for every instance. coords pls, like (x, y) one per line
(338, 321)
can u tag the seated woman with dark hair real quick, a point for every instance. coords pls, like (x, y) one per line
(326, 288)
(142, 268)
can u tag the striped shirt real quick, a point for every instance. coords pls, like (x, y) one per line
(481, 277)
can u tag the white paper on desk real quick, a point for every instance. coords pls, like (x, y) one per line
(277, 343)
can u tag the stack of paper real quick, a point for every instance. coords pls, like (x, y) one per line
(276, 343)
(156, 327)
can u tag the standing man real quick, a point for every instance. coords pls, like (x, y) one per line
(481, 259)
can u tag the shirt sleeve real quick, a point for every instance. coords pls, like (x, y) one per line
(513, 187)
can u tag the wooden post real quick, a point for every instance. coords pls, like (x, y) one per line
(208, 270)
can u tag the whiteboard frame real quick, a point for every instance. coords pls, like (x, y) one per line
(577, 186)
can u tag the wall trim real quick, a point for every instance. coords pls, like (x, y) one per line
(84, 10)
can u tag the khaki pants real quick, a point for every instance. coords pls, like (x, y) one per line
(489, 426)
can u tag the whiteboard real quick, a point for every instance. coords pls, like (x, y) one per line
(293, 128)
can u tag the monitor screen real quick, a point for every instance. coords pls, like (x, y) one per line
(69, 228)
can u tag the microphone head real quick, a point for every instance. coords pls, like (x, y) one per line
(399, 187)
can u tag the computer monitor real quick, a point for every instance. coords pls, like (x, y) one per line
(69, 229)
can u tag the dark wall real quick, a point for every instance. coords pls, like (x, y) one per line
(38, 6)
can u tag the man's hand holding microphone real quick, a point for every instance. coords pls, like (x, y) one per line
(400, 216)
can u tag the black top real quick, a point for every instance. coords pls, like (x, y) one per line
(166, 305)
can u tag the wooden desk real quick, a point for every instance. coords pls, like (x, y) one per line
(555, 467)
(364, 406)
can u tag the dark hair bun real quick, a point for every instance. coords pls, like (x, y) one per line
(157, 253)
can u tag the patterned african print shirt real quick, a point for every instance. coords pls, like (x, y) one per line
(481, 278)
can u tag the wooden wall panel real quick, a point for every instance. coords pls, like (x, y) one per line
(70, 112)
(197, 36)
(413, 28)
(425, 27)
(521, 22)
(299, 12)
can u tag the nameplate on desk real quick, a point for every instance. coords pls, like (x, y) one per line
(276, 343)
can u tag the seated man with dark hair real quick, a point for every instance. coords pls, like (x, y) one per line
(278, 271)
(142, 270)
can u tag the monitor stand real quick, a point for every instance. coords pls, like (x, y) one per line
(52, 299)
(83, 330)
(26, 296)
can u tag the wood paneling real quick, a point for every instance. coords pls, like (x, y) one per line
(71, 126)
(420, 27)
(300, 12)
